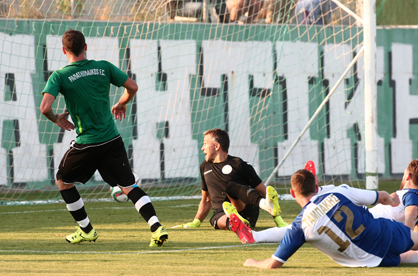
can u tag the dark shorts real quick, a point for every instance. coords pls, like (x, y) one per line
(250, 213)
(401, 243)
(81, 161)
(217, 214)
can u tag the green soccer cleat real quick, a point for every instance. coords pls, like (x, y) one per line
(158, 237)
(273, 201)
(279, 221)
(230, 209)
(79, 236)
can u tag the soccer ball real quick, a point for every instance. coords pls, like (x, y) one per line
(118, 195)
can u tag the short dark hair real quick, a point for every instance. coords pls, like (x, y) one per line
(413, 170)
(73, 41)
(220, 136)
(303, 183)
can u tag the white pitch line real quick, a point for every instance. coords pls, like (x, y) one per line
(28, 212)
(186, 205)
(130, 253)
(37, 202)
(60, 210)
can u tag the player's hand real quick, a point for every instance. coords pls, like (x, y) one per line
(266, 264)
(62, 121)
(196, 223)
(119, 111)
(250, 262)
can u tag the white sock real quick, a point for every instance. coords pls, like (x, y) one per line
(75, 206)
(83, 223)
(153, 220)
(274, 234)
(264, 205)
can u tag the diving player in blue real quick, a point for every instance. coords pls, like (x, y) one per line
(337, 224)
(406, 211)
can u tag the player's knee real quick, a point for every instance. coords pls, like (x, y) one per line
(126, 190)
(63, 186)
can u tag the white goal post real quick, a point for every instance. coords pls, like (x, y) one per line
(370, 94)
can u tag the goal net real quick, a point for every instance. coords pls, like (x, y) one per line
(259, 71)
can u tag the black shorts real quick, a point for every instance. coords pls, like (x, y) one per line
(217, 214)
(81, 161)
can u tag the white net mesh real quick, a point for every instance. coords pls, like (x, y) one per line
(258, 69)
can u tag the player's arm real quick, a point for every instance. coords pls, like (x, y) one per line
(202, 211)
(204, 206)
(59, 119)
(293, 239)
(362, 197)
(386, 199)
(119, 109)
(411, 216)
(261, 189)
(266, 264)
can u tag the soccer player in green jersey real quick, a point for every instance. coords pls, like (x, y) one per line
(85, 86)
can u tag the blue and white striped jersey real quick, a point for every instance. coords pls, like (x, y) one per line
(337, 224)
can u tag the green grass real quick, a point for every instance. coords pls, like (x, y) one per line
(32, 242)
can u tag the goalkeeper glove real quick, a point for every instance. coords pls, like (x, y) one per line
(194, 224)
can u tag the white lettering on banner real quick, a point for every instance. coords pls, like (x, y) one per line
(338, 154)
(146, 148)
(178, 59)
(29, 159)
(246, 58)
(296, 69)
(380, 74)
(338, 146)
(105, 48)
(355, 113)
(405, 108)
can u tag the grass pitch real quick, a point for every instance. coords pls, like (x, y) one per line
(32, 242)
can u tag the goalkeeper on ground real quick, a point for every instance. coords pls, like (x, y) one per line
(231, 185)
